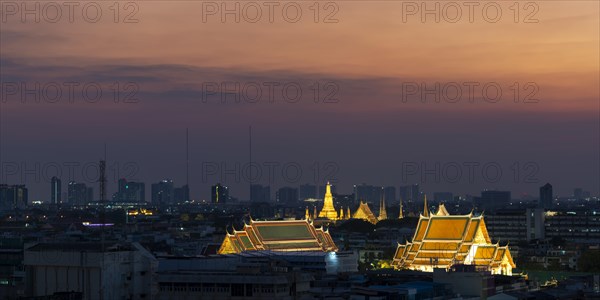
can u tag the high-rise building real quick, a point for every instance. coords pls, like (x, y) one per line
(367, 193)
(442, 197)
(130, 192)
(578, 193)
(307, 191)
(260, 193)
(219, 193)
(415, 193)
(79, 193)
(163, 192)
(287, 195)
(389, 193)
(546, 196)
(182, 194)
(13, 197)
(55, 191)
(405, 193)
(493, 199)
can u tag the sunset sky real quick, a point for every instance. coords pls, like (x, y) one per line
(369, 132)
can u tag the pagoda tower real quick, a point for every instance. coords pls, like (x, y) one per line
(401, 215)
(425, 209)
(382, 211)
(328, 210)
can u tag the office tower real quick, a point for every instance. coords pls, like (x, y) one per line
(90, 194)
(493, 199)
(415, 193)
(13, 197)
(367, 193)
(130, 192)
(79, 193)
(288, 195)
(182, 194)
(307, 191)
(389, 193)
(405, 193)
(578, 193)
(546, 196)
(442, 197)
(219, 193)
(55, 191)
(260, 193)
(163, 192)
(362, 192)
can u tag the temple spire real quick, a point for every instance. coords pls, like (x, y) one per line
(348, 214)
(382, 211)
(307, 214)
(328, 210)
(425, 209)
(401, 215)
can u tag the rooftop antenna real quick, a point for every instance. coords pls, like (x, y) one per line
(250, 158)
(187, 167)
(102, 180)
(187, 158)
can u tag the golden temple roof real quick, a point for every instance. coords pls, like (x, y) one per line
(442, 240)
(364, 212)
(294, 235)
(442, 210)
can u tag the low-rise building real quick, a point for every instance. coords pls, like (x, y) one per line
(97, 270)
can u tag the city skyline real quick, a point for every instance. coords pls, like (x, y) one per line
(393, 192)
(366, 113)
(355, 149)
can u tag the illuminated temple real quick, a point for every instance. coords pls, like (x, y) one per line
(328, 210)
(442, 240)
(364, 212)
(294, 235)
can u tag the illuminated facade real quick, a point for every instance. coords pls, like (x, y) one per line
(382, 211)
(140, 211)
(328, 210)
(401, 215)
(294, 235)
(442, 240)
(364, 212)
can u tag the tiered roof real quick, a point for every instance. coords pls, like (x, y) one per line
(294, 235)
(364, 212)
(442, 240)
